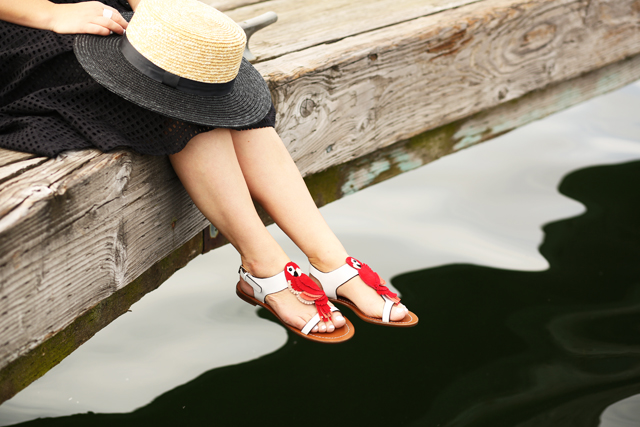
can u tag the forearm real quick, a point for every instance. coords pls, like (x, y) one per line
(29, 13)
(134, 3)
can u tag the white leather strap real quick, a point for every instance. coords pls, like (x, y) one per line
(263, 287)
(332, 280)
(314, 321)
(386, 310)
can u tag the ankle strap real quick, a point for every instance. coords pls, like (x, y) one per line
(264, 286)
(332, 280)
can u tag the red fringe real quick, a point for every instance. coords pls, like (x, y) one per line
(372, 279)
(322, 305)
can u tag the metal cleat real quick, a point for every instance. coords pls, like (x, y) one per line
(252, 25)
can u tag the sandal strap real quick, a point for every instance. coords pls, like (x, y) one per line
(264, 286)
(386, 310)
(332, 280)
(314, 321)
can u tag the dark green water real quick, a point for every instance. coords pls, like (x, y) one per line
(493, 348)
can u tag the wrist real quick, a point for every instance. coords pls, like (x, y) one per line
(45, 16)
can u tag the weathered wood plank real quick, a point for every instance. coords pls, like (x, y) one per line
(224, 5)
(305, 23)
(16, 168)
(403, 156)
(80, 229)
(339, 101)
(8, 157)
(24, 370)
(37, 184)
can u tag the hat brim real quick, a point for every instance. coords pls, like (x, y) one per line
(247, 103)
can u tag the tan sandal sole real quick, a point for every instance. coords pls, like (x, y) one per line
(339, 335)
(409, 320)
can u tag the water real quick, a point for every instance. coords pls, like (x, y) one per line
(529, 303)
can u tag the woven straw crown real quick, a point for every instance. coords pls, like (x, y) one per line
(188, 38)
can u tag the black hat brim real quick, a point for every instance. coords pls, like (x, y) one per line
(247, 103)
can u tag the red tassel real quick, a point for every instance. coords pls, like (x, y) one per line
(323, 308)
(372, 279)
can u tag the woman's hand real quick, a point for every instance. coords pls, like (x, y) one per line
(74, 18)
(85, 18)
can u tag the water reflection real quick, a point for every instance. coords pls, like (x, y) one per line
(495, 347)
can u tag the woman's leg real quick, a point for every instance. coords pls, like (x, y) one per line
(275, 182)
(209, 170)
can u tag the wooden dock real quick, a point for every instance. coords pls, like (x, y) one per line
(364, 91)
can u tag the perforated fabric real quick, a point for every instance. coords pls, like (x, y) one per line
(49, 104)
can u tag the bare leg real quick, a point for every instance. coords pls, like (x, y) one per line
(209, 170)
(275, 182)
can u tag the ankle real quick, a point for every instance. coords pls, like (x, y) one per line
(265, 267)
(328, 261)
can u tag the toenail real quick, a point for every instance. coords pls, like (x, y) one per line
(339, 317)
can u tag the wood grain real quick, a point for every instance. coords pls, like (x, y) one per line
(339, 101)
(415, 152)
(305, 23)
(77, 229)
(224, 5)
(8, 157)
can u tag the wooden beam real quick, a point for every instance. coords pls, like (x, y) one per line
(26, 369)
(306, 23)
(403, 156)
(76, 229)
(339, 101)
(225, 5)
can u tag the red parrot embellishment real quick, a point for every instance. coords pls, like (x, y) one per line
(306, 290)
(372, 279)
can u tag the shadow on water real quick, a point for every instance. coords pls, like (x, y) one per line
(493, 348)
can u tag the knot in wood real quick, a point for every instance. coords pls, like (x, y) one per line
(307, 107)
(538, 37)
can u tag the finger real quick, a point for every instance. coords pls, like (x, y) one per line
(99, 30)
(118, 19)
(109, 24)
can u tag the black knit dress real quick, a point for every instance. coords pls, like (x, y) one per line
(49, 104)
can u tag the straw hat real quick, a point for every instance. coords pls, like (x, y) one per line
(182, 59)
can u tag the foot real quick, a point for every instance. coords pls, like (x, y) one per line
(293, 312)
(362, 295)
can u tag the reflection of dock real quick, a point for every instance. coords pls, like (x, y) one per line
(364, 91)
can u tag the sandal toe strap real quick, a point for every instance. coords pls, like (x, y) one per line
(386, 310)
(314, 321)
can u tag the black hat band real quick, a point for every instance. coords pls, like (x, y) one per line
(158, 74)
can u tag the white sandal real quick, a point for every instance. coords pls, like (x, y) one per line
(332, 280)
(311, 295)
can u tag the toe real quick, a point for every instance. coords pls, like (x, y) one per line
(330, 327)
(338, 319)
(322, 327)
(398, 312)
(315, 329)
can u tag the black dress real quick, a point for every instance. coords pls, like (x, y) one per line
(49, 104)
